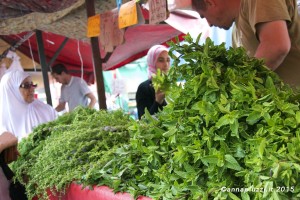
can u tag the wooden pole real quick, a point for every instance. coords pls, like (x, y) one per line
(90, 8)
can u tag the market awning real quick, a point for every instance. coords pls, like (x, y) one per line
(77, 55)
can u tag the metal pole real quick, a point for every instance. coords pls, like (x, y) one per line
(57, 52)
(44, 66)
(90, 8)
(17, 44)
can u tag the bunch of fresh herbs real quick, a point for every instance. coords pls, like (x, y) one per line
(72, 148)
(231, 130)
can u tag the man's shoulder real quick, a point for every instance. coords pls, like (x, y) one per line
(77, 80)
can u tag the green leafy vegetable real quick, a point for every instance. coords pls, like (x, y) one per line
(230, 131)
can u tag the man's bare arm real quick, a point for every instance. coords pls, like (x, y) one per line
(93, 100)
(274, 44)
(60, 107)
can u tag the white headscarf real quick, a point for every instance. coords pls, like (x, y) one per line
(152, 57)
(2, 70)
(16, 64)
(16, 115)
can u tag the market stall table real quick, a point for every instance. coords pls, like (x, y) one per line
(76, 192)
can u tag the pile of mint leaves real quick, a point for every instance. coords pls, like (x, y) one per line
(231, 130)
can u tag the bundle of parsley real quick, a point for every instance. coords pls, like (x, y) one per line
(230, 132)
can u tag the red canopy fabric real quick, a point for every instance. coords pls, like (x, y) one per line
(77, 55)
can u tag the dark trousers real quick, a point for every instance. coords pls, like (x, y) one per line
(16, 189)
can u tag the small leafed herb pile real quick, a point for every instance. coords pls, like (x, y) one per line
(231, 130)
(72, 148)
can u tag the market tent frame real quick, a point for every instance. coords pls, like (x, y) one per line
(78, 53)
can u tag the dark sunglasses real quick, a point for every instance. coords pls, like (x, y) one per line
(28, 85)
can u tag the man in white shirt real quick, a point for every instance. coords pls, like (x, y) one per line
(74, 90)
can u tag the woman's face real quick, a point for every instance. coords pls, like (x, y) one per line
(163, 62)
(27, 90)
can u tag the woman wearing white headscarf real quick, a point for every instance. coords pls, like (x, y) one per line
(20, 112)
(146, 96)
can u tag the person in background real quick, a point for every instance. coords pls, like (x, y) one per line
(20, 112)
(74, 90)
(268, 30)
(146, 96)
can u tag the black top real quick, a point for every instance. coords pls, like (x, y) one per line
(17, 191)
(7, 171)
(145, 98)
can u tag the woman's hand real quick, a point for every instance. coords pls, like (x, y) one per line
(8, 144)
(7, 139)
